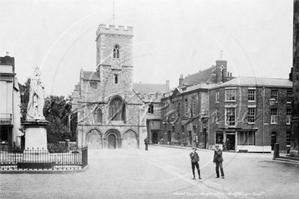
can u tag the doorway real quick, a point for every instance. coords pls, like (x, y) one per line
(154, 137)
(230, 138)
(111, 141)
(169, 137)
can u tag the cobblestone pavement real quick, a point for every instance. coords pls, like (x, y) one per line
(160, 173)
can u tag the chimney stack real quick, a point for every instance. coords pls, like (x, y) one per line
(180, 80)
(221, 69)
(168, 84)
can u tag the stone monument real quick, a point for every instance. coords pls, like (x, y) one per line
(36, 154)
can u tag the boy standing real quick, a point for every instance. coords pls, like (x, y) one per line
(218, 160)
(194, 160)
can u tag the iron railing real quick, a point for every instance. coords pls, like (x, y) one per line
(73, 159)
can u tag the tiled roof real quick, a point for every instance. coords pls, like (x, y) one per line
(150, 88)
(258, 81)
(89, 75)
(199, 86)
(199, 77)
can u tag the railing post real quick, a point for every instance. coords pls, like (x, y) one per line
(276, 151)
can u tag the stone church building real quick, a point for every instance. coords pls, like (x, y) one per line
(111, 111)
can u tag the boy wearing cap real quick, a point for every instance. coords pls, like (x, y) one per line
(218, 160)
(194, 160)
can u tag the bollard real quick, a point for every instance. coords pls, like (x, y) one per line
(276, 151)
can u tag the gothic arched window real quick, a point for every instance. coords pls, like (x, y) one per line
(150, 108)
(116, 52)
(117, 110)
(116, 79)
(98, 115)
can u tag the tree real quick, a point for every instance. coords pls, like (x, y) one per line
(24, 91)
(57, 110)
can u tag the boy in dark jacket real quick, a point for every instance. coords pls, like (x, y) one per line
(194, 160)
(218, 160)
(146, 141)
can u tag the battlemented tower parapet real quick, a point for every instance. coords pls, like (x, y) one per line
(112, 29)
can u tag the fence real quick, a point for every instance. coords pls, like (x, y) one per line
(41, 159)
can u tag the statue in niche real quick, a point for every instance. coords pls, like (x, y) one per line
(36, 97)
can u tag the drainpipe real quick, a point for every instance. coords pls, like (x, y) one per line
(263, 116)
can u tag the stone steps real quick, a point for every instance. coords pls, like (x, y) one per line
(287, 160)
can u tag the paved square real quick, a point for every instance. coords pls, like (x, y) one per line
(161, 172)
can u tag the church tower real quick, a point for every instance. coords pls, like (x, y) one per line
(114, 58)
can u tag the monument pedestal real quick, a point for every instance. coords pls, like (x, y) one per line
(36, 154)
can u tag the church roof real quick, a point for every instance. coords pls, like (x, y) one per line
(199, 77)
(150, 88)
(258, 81)
(90, 75)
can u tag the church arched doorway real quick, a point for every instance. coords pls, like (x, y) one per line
(94, 139)
(112, 141)
(129, 140)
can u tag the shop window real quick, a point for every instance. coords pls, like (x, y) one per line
(246, 138)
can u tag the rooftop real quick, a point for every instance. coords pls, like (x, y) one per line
(150, 88)
(89, 75)
(199, 77)
(258, 81)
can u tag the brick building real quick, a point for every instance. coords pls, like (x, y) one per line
(185, 118)
(251, 114)
(10, 114)
(110, 112)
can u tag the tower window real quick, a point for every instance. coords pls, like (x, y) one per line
(93, 84)
(117, 110)
(116, 79)
(98, 115)
(150, 108)
(116, 52)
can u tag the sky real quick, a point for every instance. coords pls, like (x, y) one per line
(171, 37)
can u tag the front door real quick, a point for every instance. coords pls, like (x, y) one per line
(231, 141)
(273, 141)
(190, 138)
(111, 141)
(155, 138)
